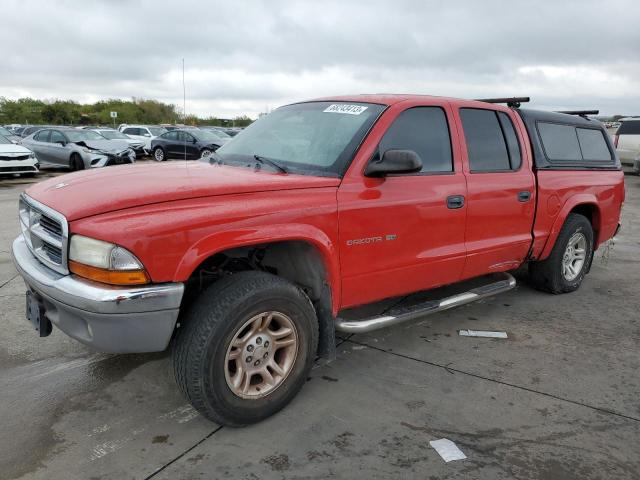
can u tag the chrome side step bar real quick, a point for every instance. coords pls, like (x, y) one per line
(374, 323)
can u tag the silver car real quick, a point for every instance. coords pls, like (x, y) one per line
(78, 149)
(138, 146)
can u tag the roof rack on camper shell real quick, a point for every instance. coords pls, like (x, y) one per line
(513, 102)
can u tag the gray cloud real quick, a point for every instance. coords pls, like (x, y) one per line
(245, 57)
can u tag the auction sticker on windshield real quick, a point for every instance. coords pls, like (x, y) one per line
(350, 109)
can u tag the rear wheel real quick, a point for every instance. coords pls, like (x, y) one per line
(205, 153)
(570, 259)
(159, 155)
(76, 162)
(245, 347)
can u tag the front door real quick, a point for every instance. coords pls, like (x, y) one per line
(500, 191)
(59, 153)
(403, 233)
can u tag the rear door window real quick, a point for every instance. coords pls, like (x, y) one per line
(42, 136)
(560, 142)
(592, 144)
(486, 144)
(131, 131)
(425, 131)
(515, 157)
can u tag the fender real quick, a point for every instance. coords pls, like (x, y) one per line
(228, 239)
(570, 204)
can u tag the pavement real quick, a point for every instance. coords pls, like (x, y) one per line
(558, 399)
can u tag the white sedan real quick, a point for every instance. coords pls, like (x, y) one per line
(16, 159)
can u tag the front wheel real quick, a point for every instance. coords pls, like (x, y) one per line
(205, 153)
(245, 347)
(159, 155)
(75, 162)
(570, 259)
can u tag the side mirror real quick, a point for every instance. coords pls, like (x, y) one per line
(146, 135)
(394, 161)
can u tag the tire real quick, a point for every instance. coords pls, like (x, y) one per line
(202, 348)
(205, 152)
(550, 275)
(159, 154)
(75, 162)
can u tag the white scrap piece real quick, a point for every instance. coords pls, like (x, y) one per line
(447, 450)
(482, 333)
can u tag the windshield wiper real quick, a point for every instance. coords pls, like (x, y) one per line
(271, 162)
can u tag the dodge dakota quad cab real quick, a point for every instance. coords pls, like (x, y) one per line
(246, 261)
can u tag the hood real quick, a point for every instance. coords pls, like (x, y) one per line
(13, 148)
(111, 146)
(91, 192)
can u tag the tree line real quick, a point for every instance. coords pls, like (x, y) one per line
(30, 111)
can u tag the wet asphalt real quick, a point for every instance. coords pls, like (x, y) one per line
(558, 399)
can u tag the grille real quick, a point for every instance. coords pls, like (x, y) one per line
(17, 169)
(14, 157)
(45, 232)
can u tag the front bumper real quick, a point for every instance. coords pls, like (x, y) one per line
(106, 318)
(8, 167)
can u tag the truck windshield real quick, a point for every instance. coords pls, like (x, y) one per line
(314, 138)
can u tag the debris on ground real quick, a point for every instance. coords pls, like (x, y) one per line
(482, 333)
(447, 450)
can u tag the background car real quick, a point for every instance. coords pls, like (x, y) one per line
(189, 143)
(136, 145)
(9, 135)
(31, 129)
(231, 131)
(78, 149)
(18, 131)
(627, 140)
(145, 133)
(217, 131)
(16, 159)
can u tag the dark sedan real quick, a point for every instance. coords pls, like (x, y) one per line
(191, 144)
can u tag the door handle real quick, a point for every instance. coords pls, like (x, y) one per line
(524, 196)
(455, 201)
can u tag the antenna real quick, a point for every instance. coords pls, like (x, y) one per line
(184, 109)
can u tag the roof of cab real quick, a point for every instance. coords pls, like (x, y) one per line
(379, 98)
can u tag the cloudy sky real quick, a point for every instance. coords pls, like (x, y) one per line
(246, 57)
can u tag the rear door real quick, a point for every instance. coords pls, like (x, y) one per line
(500, 191)
(405, 232)
(40, 145)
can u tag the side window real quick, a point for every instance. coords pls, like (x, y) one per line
(629, 127)
(170, 136)
(184, 137)
(560, 142)
(515, 157)
(425, 131)
(131, 131)
(593, 145)
(486, 145)
(57, 137)
(42, 136)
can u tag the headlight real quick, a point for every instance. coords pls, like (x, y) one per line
(105, 262)
(32, 155)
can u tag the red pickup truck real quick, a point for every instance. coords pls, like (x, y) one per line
(247, 260)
